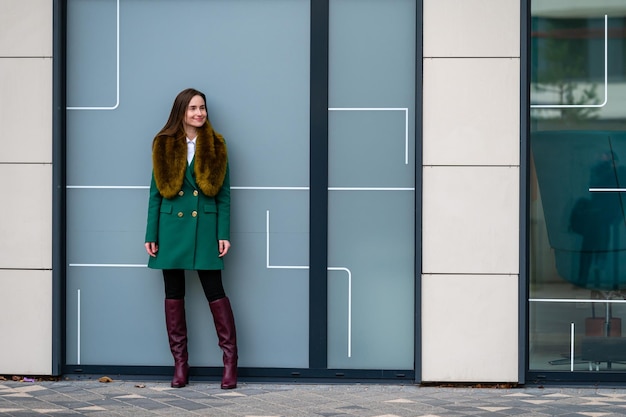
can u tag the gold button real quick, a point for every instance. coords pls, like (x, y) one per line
(194, 213)
(181, 193)
(195, 193)
(180, 214)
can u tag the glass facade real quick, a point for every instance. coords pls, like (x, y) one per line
(119, 92)
(253, 60)
(578, 187)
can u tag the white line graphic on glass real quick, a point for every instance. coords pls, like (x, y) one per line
(607, 190)
(78, 327)
(346, 270)
(146, 187)
(606, 81)
(117, 64)
(406, 122)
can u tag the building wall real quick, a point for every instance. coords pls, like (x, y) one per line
(471, 183)
(471, 148)
(26, 176)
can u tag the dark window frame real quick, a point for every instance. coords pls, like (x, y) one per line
(526, 375)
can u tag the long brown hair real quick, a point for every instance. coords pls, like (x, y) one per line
(174, 126)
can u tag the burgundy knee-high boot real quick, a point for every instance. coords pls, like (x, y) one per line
(177, 334)
(227, 340)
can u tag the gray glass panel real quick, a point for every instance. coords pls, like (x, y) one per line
(251, 58)
(115, 317)
(371, 174)
(578, 180)
(104, 226)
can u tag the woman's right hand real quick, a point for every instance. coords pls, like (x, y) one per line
(152, 248)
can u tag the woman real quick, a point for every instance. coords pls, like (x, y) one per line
(189, 225)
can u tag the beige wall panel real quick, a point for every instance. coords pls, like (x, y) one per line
(470, 325)
(25, 28)
(470, 220)
(471, 28)
(471, 111)
(26, 322)
(26, 226)
(26, 110)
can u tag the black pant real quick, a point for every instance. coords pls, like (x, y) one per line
(211, 281)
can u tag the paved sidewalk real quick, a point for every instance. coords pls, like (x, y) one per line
(138, 399)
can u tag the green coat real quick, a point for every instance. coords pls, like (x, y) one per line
(187, 227)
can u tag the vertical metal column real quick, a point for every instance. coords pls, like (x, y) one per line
(58, 185)
(419, 160)
(524, 188)
(318, 202)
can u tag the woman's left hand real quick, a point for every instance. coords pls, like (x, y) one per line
(223, 245)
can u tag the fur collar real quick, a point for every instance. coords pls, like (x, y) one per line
(169, 162)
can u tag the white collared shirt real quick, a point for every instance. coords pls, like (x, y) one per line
(191, 149)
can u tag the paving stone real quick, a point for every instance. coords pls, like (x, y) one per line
(124, 398)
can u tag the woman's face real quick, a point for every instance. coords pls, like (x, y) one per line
(196, 113)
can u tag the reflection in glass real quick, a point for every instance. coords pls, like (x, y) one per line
(578, 187)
